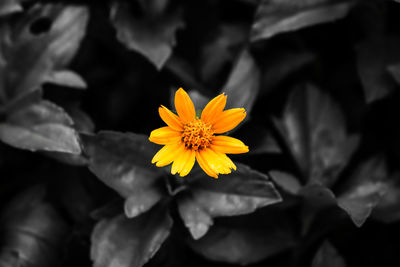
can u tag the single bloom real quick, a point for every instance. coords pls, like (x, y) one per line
(188, 138)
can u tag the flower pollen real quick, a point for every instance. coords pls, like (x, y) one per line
(197, 135)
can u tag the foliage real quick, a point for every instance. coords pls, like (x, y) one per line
(80, 86)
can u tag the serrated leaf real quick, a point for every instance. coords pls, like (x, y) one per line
(29, 58)
(246, 239)
(243, 83)
(40, 126)
(10, 6)
(151, 36)
(240, 192)
(123, 162)
(275, 16)
(327, 256)
(314, 129)
(364, 189)
(33, 231)
(130, 242)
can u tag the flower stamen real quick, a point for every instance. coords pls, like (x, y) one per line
(197, 135)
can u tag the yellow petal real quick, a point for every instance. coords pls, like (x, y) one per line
(216, 162)
(189, 164)
(228, 145)
(204, 164)
(226, 159)
(180, 161)
(214, 108)
(165, 135)
(184, 106)
(167, 154)
(228, 120)
(170, 118)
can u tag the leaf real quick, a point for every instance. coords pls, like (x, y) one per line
(33, 231)
(327, 256)
(374, 53)
(388, 208)
(82, 124)
(364, 189)
(40, 126)
(243, 83)
(314, 129)
(123, 162)
(280, 64)
(152, 36)
(10, 6)
(67, 78)
(129, 242)
(31, 53)
(247, 239)
(286, 181)
(219, 51)
(276, 16)
(240, 192)
(259, 139)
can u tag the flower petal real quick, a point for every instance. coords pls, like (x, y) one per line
(214, 108)
(184, 106)
(204, 164)
(228, 120)
(215, 162)
(167, 154)
(180, 161)
(228, 145)
(170, 118)
(226, 159)
(164, 135)
(189, 164)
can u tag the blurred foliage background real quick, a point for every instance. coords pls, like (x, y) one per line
(80, 85)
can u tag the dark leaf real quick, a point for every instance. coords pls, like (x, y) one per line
(66, 78)
(243, 84)
(82, 124)
(219, 52)
(259, 139)
(247, 239)
(32, 231)
(327, 256)
(274, 16)
(280, 65)
(394, 71)
(388, 208)
(364, 189)
(152, 36)
(123, 162)
(40, 126)
(373, 54)
(30, 58)
(240, 192)
(315, 131)
(10, 6)
(286, 181)
(130, 242)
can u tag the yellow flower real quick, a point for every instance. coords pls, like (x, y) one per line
(188, 137)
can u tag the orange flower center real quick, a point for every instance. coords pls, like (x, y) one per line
(197, 135)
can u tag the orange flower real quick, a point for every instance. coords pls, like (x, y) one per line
(188, 137)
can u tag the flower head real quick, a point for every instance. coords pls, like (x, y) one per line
(188, 137)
